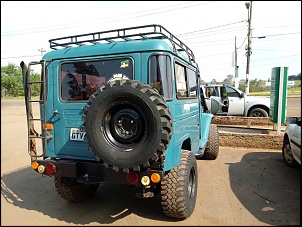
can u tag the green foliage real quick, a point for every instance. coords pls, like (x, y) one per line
(12, 81)
(229, 80)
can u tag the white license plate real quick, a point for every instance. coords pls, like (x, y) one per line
(76, 134)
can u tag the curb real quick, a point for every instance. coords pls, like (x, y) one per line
(248, 140)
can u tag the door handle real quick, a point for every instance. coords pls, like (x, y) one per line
(56, 112)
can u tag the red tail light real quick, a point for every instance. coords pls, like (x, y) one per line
(132, 177)
(51, 168)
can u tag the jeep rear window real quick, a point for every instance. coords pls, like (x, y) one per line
(80, 79)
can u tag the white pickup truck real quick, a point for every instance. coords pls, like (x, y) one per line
(233, 102)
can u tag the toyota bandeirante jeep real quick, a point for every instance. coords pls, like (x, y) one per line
(120, 106)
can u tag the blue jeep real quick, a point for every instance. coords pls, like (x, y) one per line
(120, 106)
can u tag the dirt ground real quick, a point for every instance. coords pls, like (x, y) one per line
(242, 187)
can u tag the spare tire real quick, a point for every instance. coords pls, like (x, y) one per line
(128, 124)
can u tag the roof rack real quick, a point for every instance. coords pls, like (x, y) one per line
(153, 31)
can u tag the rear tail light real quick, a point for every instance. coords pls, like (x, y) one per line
(155, 178)
(35, 165)
(41, 169)
(51, 168)
(132, 177)
(145, 180)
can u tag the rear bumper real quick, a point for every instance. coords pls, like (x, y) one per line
(95, 172)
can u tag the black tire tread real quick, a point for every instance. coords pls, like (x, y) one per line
(212, 147)
(158, 101)
(174, 200)
(294, 163)
(74, 191)
(263, 112)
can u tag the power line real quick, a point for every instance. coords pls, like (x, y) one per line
(208, 41)
(115, 18)
(210, 28)
(22, 56)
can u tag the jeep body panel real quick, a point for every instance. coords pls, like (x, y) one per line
(186, 112)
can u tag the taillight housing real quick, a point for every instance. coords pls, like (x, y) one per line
(132, 177)
(51, 168)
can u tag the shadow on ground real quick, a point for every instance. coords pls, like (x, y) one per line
(28, 190)
(267, 187)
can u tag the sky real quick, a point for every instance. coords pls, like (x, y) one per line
(208, 28)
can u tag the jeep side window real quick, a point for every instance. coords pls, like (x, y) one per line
(181, 84)
(192, 83)
(160, 75)
(80, 79)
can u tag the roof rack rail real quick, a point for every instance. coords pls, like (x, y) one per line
(153, 31)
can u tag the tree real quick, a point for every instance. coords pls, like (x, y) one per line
(228, 80)
(202, 81)
(213, 81)
(12, 81)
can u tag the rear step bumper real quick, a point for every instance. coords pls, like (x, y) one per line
(94, 172)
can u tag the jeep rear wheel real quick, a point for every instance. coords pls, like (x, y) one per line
(179, 187)
(128, 124)
(71, 190)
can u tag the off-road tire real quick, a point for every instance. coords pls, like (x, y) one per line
(212, 147)
(287, 155)
(258, 112)
(179, 188)
(128, 124)
(71, 190)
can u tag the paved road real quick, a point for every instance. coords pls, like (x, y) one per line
(241, 187)
(293, 105)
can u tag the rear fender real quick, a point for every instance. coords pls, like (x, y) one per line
(205, 122)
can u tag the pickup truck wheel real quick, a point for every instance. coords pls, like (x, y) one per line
(212, 147)
(287, 155)
(179, 188)
(71, 190)
(257, 112)
(128, 124)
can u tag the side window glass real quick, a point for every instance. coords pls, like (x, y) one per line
(181, 84)
(192, 82)
(160, 75)
(211, 91)
(232, 92)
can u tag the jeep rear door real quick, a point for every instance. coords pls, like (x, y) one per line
(75, 82)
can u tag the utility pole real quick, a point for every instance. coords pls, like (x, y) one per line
(41, 50)
(248, 53)
(236, 85)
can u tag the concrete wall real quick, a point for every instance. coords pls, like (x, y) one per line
(250, 140)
